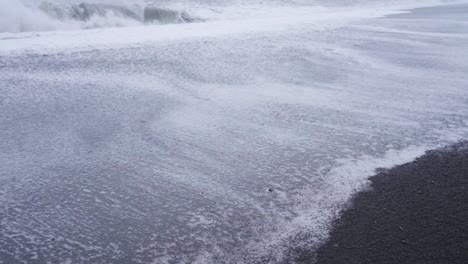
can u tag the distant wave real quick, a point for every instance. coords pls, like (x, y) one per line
(19, 17)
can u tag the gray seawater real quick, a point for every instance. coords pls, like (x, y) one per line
(51, 15)
(232, 149)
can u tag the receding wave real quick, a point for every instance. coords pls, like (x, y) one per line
(18, 17)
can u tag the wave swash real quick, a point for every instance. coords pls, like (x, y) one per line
(236, 141)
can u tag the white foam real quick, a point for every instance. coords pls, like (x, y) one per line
(209, 120)
(317, 210)
(73, 41)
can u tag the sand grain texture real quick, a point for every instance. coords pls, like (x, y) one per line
(415, 213)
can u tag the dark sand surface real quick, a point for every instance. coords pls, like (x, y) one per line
(415, 213)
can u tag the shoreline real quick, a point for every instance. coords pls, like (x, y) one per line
(414, 213)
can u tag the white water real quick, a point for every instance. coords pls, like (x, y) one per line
(25, 16)
(47, 15)
(158, 144)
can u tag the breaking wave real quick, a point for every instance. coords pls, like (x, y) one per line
(16, 16)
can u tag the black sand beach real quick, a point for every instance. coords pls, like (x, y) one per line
(415, 213)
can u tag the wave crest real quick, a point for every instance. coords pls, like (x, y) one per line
(19, 17)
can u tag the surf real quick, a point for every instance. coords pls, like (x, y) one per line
(18, 16)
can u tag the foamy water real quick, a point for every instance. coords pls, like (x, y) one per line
(24, 16)
(48, 15)
(237, 138)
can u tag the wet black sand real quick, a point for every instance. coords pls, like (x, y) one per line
(416, 213)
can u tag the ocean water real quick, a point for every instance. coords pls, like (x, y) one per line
(212, 131)
(42, 15)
